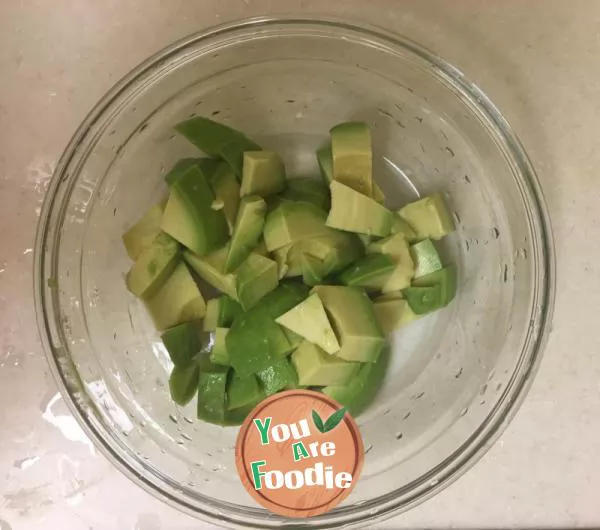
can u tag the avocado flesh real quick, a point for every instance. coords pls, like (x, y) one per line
(243, 391)
(372, 271)
(211, 268)
(425, 257)
(429, 217)
(445, 278)
(389, 313)
(352, 156)
(264, 174)
(227, 190)
(396, 247)
(212, 396)
(144, 231)
(183, 342)
(255, 277)
(183, 383)
(317, 368)
(218, 353)
(308, 190)
(248, 229)
(278, 376)
(325, 161)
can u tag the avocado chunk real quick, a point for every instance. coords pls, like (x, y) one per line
(227, 190)
(206, 165)
(243, 391)
(377, 195)
(309, 190)
(278, 376)
(212, 396)
(372, 271)
(389, 313)
(317, 368)
(237, 416)
(256, 277)
(183, 342)
(177, 301)
(218, 353)
(154, 265)
(400, 226)
(309, 320)
(396, 247)
(261, 248)
(264, 174)
(312, 270)
(352, 156)
(429, 217)
(445, 278)
(220, 312)
(183, 383)
(425, 257)
(325, 161)
(248, 229)
(354, 212)
(423, 300)
(142, 233)
(189, 216)
(217, 140)
(353, 319)
(211, 268)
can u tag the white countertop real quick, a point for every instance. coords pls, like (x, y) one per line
(539, 60)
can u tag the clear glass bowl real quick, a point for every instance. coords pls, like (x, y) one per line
(457, 376)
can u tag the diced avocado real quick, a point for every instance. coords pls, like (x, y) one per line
(183, 342)
(243, 391)
(308, 190)
(400, 226)
(218, 354)
(429, 217)
(293, 338)
(261, 248)
(256, 277)
(278, 376)
(317, 368)
(154, 266)
(396, 247)
(206, 165)
(353, 319)
(212, 395)
(237, 416)
(325, 161)
(216, 139)
(354, 212)
(309, 320)
(189, 217)
(211, 269)
(227, 190)
(424, 300)
(264, 174)
(211, 319)
(425, 257)
(248, 229)
(352, 156)
(377, 194)
(280, 256)
(312, 269)
(389, 313)
(183, 383)
(372, 271)
(220, 312)
(292, 221)
(142, 233)
(445, 278)
(178, 300)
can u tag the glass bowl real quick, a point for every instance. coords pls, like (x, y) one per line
(456, 377)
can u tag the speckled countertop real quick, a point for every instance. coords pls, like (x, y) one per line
(539, 60)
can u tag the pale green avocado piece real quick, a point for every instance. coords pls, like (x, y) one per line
(325, 161)
(178, 300)
(377, 195)
(354, 212)
(423, 300)
(237, 416)
(396, 247)
(389, 313)
(280, 256)
(212, 395)
(183, 342)
(317, 368)
(309, 320)
(278, 376)
(291, 222)
(189, 216)
(221, 312)
(312, 270)
(400, 226)
(243, 391)
(372, 271)
(308, 190)
(211, 319)
(293, 338)
(227, 190)
(153, 266)
(353, 320)
(352, 156)
(425, 257)
(261, 248)
(206, 165)
(216, 139)
(248, 229)
(264, 174)
(445, 277)
(406, 316)
(218, 353)
(211, 269)
(142, 233)
(429, 217)
(255, 277)
(183, 383)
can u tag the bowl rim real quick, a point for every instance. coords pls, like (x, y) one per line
(444, 473)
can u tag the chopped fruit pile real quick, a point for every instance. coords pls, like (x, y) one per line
(311, 274)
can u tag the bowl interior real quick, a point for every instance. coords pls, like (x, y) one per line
(285, 85)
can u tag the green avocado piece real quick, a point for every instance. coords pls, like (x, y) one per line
(243, 391)
(211, 319)
(309, 320)
(212, 396)
(278, 376)
(325, 160)
(293, 338)
(248, 229)
(389, 313)
(264, 174)
(445, 278)
(429, 217)
(217, 140)
(317, 368)
(218, 353)
(183, 342)
(424, 300)
(178, 300)
(227, 190)
(211, 268)
(183, 383)
(237, 416)
(372, 271)
(396, 247)
(425, 257)
(312, 270)
(154, 266)
(353, 319)
(353, 212)
(220, 312)
(189, 216)
(309, 190)
(377, 195)
(142, 233)
(352, 156)
(206, 165)
(256, 277)
(400, 226)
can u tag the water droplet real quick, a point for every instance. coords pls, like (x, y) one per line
(399, 435)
